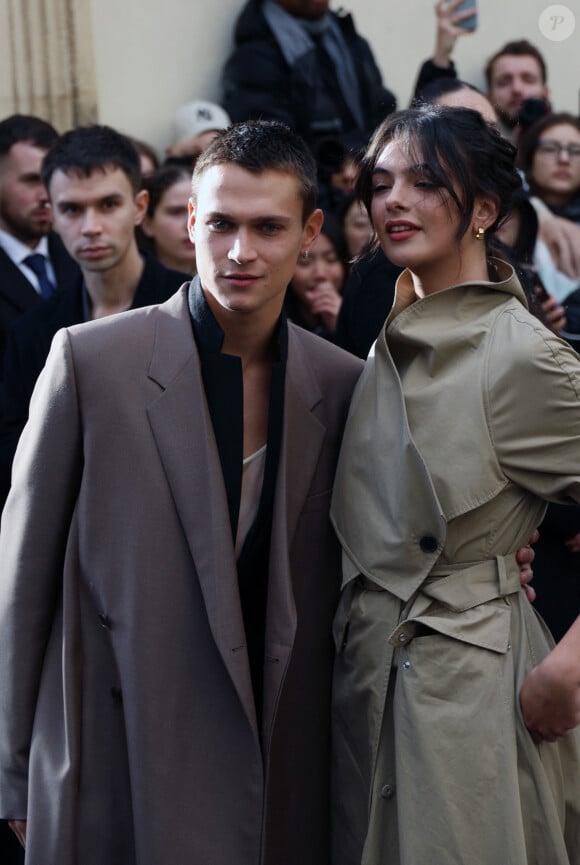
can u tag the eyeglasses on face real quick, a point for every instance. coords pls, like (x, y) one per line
(554, 148)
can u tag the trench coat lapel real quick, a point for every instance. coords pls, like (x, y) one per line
(302, 439)
(182, 428)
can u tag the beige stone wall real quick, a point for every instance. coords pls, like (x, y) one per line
(138, 60)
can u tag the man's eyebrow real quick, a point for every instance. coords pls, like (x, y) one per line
(227, 217)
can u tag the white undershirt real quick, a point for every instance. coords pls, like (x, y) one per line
(252, 481)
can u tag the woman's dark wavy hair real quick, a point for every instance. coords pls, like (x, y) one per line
(458, 151)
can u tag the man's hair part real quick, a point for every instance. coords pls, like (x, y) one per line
(88, 149)
(263, 145)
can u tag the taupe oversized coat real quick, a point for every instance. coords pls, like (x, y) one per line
(123, 664)
(466, 419)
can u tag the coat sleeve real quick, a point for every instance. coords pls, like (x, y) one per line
(533, 407)
(33, 537)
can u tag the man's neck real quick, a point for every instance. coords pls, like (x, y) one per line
(113, 290)
(247, 336)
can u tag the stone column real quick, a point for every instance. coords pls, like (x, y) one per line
(46, 61)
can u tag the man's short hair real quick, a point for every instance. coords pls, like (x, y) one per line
(518, 48)
(88, 149)
(263, 145)
(19, 128)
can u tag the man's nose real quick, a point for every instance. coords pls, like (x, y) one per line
(91, 222)
(242, 249)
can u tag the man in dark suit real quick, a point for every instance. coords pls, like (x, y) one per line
(33, 261)
(93, 178)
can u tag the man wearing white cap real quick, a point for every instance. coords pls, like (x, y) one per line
(196, 125)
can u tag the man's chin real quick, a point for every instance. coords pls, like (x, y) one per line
(508, 119)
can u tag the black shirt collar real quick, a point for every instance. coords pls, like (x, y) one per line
(208, 334)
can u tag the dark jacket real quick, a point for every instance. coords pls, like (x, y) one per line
(367, 300)
(258, 82)
(17, 294)
(28, 344)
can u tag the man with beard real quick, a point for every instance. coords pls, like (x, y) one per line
(516, 72)
(33, 261)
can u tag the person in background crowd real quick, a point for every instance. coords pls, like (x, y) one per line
(163, 231)
(196, 125)
(356, 226)
(315, 292)
(93, 179)
(549, 156)
(299, 62)
(33, 262)
(515, 73)
(147, 157)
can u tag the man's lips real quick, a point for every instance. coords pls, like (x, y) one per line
(93, 251)
(240, 279)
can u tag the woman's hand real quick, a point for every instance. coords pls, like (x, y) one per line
(325, 301)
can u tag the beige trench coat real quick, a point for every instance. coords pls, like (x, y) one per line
(465, 420)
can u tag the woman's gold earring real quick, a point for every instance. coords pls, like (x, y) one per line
(479, 233)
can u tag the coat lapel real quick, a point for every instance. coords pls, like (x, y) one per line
(302, 439)
(182, 428)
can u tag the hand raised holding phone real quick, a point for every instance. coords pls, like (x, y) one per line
(454, 18)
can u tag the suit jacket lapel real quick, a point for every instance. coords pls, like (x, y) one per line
(302, 439)
(182, 427)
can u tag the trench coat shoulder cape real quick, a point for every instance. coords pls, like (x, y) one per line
(128, 731)
(465, 420)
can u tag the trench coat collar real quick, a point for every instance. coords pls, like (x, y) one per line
(504, 280)
(182, 428)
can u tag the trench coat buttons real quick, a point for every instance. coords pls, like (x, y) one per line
(104, 621)
(407, 665)
(387, 791)
(403, 638)
(428, 544)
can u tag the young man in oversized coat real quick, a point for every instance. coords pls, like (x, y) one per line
(168, 574)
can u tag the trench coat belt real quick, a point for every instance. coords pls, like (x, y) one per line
(463, 586)
(451, 601)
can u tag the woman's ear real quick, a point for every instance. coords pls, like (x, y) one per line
(485, 211)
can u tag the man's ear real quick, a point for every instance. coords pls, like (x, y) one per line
(311, 230)
(141, 205)
(191, 219)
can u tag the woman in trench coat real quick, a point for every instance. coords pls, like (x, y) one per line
(464, 423)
